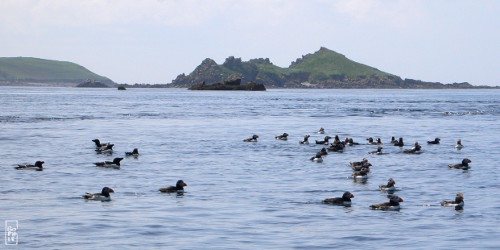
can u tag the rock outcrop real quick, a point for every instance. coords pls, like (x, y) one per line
(229, 85)
(92, 84)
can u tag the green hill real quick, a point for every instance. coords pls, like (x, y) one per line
(328, 63)
(27, 70)
(323, 69)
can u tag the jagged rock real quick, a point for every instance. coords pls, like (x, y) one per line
(229, 85)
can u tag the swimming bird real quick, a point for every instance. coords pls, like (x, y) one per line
(400, 142)
(389, 187)
(110, 164)
(318, 158)
(345, 200)
(393, 203)
(99, 144)
(251, 139)
(350, 142)
(336, 140)
(322, 152)
(306, 140)
(436, 141)
(362, 174)
(105, 150)
(321, 131)
(356, 168)
(377, 152)
(325, 141)
(379, 142)
(393, 140)
(415, 150)
(459, 144)
(364, 162)
(134, 153)
(283, 137)
(337, 147)
(464, 165)
(179, 188)
(458, 203)
(38, 166)
(103, 196)
(371, 141)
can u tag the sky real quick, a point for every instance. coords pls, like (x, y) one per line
(153, 41)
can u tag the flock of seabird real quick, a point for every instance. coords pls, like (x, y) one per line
(361, 169)
(107, 148)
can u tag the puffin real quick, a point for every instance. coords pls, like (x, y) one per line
(415, 150)
(325, 141)
(371, 141)
(393, 140)
(282, 137)
(358, 168)
(337, 147)
(363, 162)
(110, 164)
(362, 174)
(103, 196)
(37, 167)
(389, 187)
(321, 131)
(350, 142)
(393, 203)
(134, 153)
(345, 200)
(318, 158)
(251, 139)
(323, 152)
(306, 140)
(179, 188)
(458, 203)
(98, 143)
(464, 165)
(336, 140)
(377, 152)
(400, 142)
(105, 150)
(436, 141)
(459, 144)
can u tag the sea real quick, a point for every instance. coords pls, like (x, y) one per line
(246, 195)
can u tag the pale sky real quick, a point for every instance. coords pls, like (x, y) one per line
(152, 41)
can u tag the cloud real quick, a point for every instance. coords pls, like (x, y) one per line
(19, 15)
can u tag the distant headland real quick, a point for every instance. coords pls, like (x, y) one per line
(28, 71)
(323, 69)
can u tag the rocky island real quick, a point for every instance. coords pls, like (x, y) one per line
(322, 69)
(229, 85)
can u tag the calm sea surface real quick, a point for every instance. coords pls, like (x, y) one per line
(264, 195)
